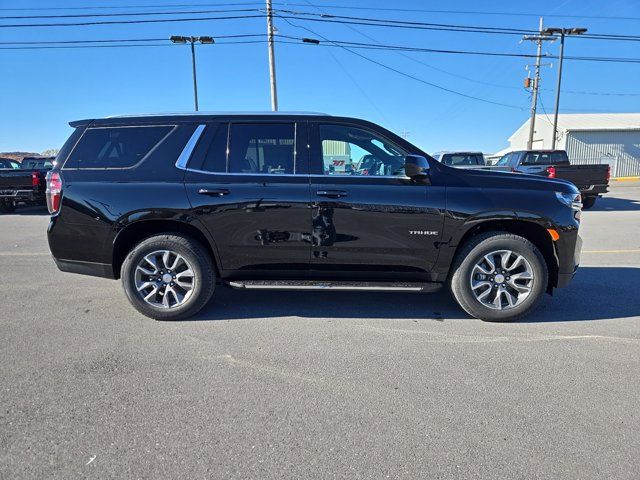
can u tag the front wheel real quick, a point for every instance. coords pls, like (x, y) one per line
(499, 277)
(7, 206)
(168, 277)
(588, 202)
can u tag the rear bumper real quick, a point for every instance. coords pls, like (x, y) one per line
(104, 270)
(22, 195)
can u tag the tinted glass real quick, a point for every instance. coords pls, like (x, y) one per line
(216, 159)
(9, 164)
(116, 147)
(34, 164)
(462, 160)
(533, 158)
(504, 160)
(355, 151)
(262, 148)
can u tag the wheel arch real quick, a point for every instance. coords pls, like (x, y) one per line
(532, 231)
(134, 232)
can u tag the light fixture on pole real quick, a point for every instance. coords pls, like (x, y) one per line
(561, 32)
(192, 40)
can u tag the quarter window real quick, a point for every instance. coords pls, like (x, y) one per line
(356, 151)
(116, 147)
(216, 159)
(262, 149)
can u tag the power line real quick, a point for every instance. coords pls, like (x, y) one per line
(131, 14)
(52, 42)
(400, 72)
(115, 7)
(128, 22)
(55, 47)
(462, 12)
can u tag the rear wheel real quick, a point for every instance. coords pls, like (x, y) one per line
(588, 202)
(7, 206)
(499, 277)
(168, 277)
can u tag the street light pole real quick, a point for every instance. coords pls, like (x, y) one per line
(563, 32)
(192, 41)
(195, 77)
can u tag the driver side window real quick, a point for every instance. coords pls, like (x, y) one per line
(358, 152)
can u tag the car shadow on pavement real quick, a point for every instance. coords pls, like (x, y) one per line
(29, 211)
(606, 204)
(596, 293)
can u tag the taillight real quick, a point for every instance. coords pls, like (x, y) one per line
(54, 191)
(35, 179)
(608, 172)
(551, 172)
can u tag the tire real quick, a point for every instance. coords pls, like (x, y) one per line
(195, 259)
(7, 206)
(466, 265)
(588, 202)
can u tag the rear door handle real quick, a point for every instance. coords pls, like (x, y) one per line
(331, 193)
(216, 192)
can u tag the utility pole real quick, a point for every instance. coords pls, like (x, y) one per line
(562, 32)
(536, 80)
(192, 41)
(272, 58)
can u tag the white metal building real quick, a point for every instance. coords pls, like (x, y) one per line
(612, 138)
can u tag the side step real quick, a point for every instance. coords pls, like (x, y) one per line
(335, 286)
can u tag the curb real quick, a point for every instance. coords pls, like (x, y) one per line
(626, 179)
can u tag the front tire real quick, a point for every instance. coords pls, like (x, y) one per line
(499, 277)
(7, 206)
(168, 277)
(588, 202)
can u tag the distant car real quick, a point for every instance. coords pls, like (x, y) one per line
(9, 164)
(461, 159)
(591, 180)
(25, 184)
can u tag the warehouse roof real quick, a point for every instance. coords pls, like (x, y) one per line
(589, 121)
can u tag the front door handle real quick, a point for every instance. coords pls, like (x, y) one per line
(331, 193)
(217, 192)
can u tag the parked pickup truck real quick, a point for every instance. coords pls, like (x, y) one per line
(176, 204)
(25, 184)
(591, 180)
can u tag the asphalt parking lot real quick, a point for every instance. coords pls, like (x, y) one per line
(315, 385)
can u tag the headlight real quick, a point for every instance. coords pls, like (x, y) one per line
(573, 200)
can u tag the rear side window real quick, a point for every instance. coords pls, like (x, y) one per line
(262, 148)
(116, 147)
(545, 158)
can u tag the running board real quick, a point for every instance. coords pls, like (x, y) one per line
(335, 286)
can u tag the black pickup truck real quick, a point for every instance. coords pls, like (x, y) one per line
(24, 182)
(591, 180)
(176, 204)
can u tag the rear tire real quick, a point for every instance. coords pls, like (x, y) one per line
(588, 202)
(7, 206)
(476, 292)
(159, 292)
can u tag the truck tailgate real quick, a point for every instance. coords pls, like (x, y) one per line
(585, 177)
(15, 179)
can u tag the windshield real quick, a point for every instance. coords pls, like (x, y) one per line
(9, 164)
(504, 160)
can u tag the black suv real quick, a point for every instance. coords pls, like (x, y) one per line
(176, 204)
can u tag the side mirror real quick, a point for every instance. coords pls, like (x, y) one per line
(416, 166)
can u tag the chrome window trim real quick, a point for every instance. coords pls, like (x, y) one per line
(185, 155)
(312, 175)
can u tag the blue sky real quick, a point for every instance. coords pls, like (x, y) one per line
(42, 90)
